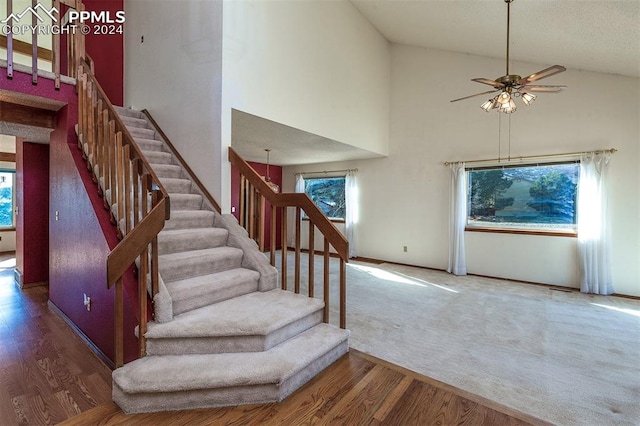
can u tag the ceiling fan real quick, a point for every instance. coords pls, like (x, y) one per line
(511, 86)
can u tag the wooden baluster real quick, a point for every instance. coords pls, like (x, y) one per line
(82, 84)
(241, 209)
(325, 316)
(273, 235)
(111, 141)
(128, 185)
(137, 169)
(284, 248)
(104, 142)
(9, 40)
(120, 161)
(296, 285)
(343, 294)
(89, 117)
(312, 260)
(251, 212)
(55, 59)
(154, 252)
(34, 45)
(119, 325)
(142, 273)
(261, 221)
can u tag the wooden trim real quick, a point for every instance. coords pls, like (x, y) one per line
(28, 116)
(25, 48)
(9, 157)
(521, 231)
(331, 219)
(95, 349)
(183, 163)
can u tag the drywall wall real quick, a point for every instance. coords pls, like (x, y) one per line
(173, 68)
(404, 198)
(318, 66)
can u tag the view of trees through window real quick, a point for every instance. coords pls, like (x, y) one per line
(328, 194)
(524, 197)
(6, 199)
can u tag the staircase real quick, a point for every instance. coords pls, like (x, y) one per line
(222, 334)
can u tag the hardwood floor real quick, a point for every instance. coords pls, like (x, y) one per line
(48, 375)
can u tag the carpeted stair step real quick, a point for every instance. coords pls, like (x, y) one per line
(174, 185)
(177, 382)
(167, 171)
(138, 132)
(253, 322)
(187, 219)
(149, 144)
(134, 122)
(187, 264)
(177, 240)
(158, 157)
(128, 112)
(185, 201)
(196, 292)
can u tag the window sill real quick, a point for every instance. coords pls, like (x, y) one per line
(13, 228)
(331, 220)
(521, 231)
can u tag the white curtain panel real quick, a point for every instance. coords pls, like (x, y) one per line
(299, 183)
(457, 220)
(594, 240)
(351, 219)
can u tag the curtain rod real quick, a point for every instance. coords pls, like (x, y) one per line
(531, 157)
(326, 171)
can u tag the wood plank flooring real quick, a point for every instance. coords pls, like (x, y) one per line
(48, 375)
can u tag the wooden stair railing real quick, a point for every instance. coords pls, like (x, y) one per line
(255, 190)
(132, 192)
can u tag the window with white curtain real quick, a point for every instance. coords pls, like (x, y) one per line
(538, 197)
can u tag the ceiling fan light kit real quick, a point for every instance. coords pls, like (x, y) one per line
(512, 85)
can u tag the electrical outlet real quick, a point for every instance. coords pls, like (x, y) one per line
(87, 302)
(405, 249)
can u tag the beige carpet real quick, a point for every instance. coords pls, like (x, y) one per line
(564, 357)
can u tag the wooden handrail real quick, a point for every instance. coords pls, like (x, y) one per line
(183, 163)
(256, 190)
(324, 225)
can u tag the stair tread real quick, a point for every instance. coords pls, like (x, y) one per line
(134, 122)
(214, 251)
(175, 373)
(183, 289)
(168, 233)
(257, 313)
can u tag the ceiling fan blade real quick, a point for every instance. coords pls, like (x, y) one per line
(542, 88)
(493, 83)
(547, 72)
(473, 96)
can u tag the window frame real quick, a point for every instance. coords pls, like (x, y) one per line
(338, 176)
(11, 227)
(497, 229)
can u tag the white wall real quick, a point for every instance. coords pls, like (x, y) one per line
(404, 197)
(176, 74)
(314, 65)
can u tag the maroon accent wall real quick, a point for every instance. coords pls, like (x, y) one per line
(32, 224)
(82, 237)
(107, 52)
(275, 173)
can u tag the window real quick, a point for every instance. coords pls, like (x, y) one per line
(6, 198)
(328, 194)
(535, 197)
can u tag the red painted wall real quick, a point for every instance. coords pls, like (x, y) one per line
(107, 52)
(275, 173)
(32, 224)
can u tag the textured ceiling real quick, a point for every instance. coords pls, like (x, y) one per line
(289, 146)
(594, 35)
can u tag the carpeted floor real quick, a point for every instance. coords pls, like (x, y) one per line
(564, 357)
